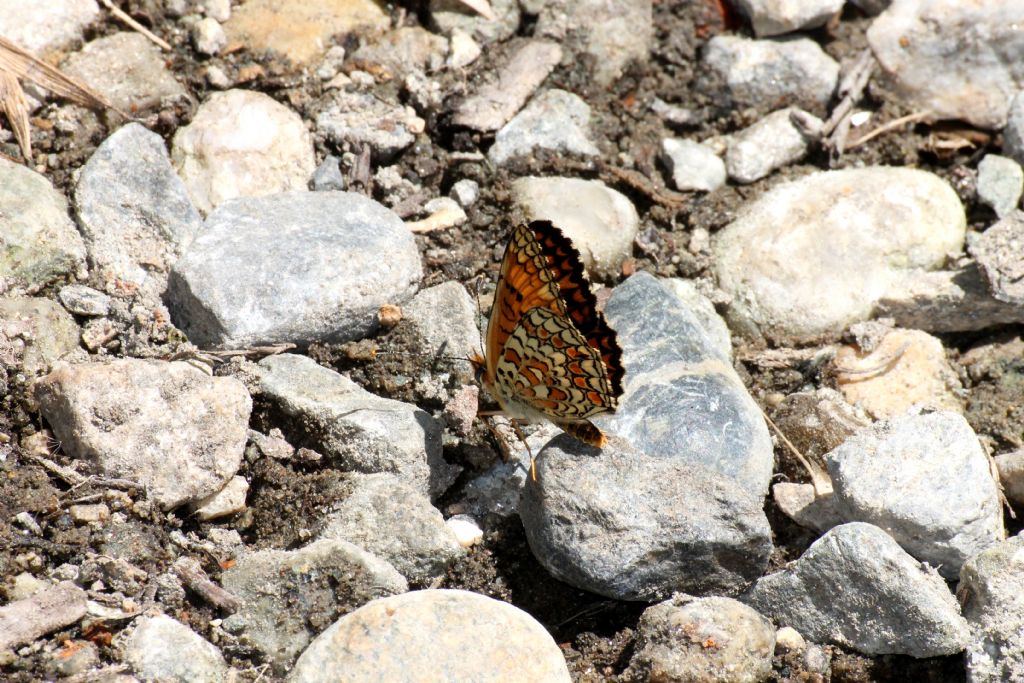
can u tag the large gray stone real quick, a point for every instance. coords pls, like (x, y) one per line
(859, 230)
(775, 17)
(555, 120)
(169, 426)
(433, 635)
(362, 432)
(163, 649)
(38, 27)
(633, 527)
(857, 588)
(134, 211)
(683, 401)
(925, 480)
(294, 267)
(288, 596)
(38, 241)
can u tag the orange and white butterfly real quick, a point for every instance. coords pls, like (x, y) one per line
(549, 353)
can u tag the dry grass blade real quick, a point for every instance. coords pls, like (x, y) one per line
(21, 64)
(12, 101)
(120, 14)
(481, 7)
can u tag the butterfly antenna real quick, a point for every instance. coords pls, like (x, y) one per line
(479, 314)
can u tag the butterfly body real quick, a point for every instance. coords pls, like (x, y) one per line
(549, 354)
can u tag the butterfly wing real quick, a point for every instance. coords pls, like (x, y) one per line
(548, 367)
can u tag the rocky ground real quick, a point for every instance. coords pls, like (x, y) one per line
(238, 433)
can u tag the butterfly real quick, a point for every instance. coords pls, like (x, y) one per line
(549, 353)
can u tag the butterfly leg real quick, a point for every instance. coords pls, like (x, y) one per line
(529, 451)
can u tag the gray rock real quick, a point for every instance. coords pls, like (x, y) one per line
(208, 36)
(704, 311)
(361, 118)
(466, 192)
(957, 60)
(405, 50)
(693, 166)
(703, 639)
(49, 26)
(82, 300)
(242, 143)
(632, 527)
(673, 115)
(134, 211)
(493, 104)
(327, 175)
(441, 635)
(24, 619)
(230, 500)
(993, 604)
(169, 426)
(859, 229)
(38, 330)
(288, 596)
(806, 506)
(294, 267)
(612, 32)
(771, 143)
(395, 522)
(924, 479)
(857, 588)
(600, 221)
(1013, 133)
(775, 17)
(363, 432)
(555, 120)
(450, 15)
(1000, 254)
(127, 69)
(683, 401)
(771, 73)
(163, 649)
(38, 241)
(1011, 475)
(443, 321)
(1000, 183)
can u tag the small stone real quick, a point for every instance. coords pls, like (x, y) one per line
(789, 639)
(42, 330)
(443, 213)
(889, 603)
(25, 585)
(465, 192)
(495, 103)
(242, 143)
(805, 506)
(501, 24)
(463, 50)
(702, 639)
(907, 367)
(460, 410)
(48, 26)
(771, 143)
(89, 514)
(771, 73)
(924, 479)
(230, 500)
(310, 27)
(82, 300)
(217, 9)
(329, 578)
(39, 243)
(1000, 183)
(600, 222)
(397, 523)
(673, 115)
(466, 530)
(1011, 475)
(692, 165)
(556, 120)
(1013, 133)
(773, 258)
(169, 426)
(360, 118)
(45, 611)
(208, 36)
(1000, 253)
(331, 64)
(160, 648)
(401, 51)
(442, 635)
(128, 70)
(932, 64)
(73, 657)
(327, 175)
(775, 17)
(217, 78)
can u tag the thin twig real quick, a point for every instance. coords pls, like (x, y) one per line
(821, 487)
(65, 474)
(886, 127)
(117, 12)
(189, 570)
